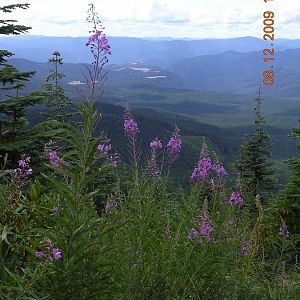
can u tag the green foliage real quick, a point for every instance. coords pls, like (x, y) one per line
(138, 247)
(254, 165)
(288, 204)
(15, 138)
(9, 74)
(8, 26)
(56, 97)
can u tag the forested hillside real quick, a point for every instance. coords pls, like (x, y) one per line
(116, 183)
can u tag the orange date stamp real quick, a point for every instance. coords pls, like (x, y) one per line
(269, 53)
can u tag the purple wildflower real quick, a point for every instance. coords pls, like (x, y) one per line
(23, 163)
(98, 40)
(56, 253)
(114, 164)
(203, 166)
(203, 234)
(283, 230)
(152, 168)
(131, 128)
(39, 254)
(193, 234)
(220, 170)
(201, 171)
(54, 159)
(21, 174)
(174, 146)
(236, 199)
(104, 149)
(114, 158)
(156, 144)
(52, 253)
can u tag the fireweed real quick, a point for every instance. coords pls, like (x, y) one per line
(103, 150)
(152, 169)
(203, 233)
(205, 166)
(49, 252)
(131, 131)
(236, 197)
(174, 146)
(54, 159)
(100, 49)
(220, 170)
(131, 128)
(21, 175)
(283, 230)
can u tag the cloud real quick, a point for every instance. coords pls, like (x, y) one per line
(176, 18)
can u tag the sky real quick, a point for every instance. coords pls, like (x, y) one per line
(161, 18)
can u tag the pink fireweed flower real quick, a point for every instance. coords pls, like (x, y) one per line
(174, 146)
(220, 170)
(131, 131)
(56, 253)
(193, 234)
(236, 199)
(152, 168)
(98, 40)
(283, 230)
(156, 144)
(201, 170)
(21, 174)
(54, 159)
(203, 233)
(23, 163)
(205, 166)
(51, 253)
(104, 149)
(39, 254)
(131, 128)
(114, 160)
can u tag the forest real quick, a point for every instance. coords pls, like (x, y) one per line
(99, 200)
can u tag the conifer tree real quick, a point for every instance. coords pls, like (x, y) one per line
(13, 136)
(254, 165)
(289, 200)
(9, 74)
(56, 97)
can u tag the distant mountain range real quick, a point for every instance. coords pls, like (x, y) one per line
(227, 72)
(126, 50)
(241, 73)
(232, 65)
